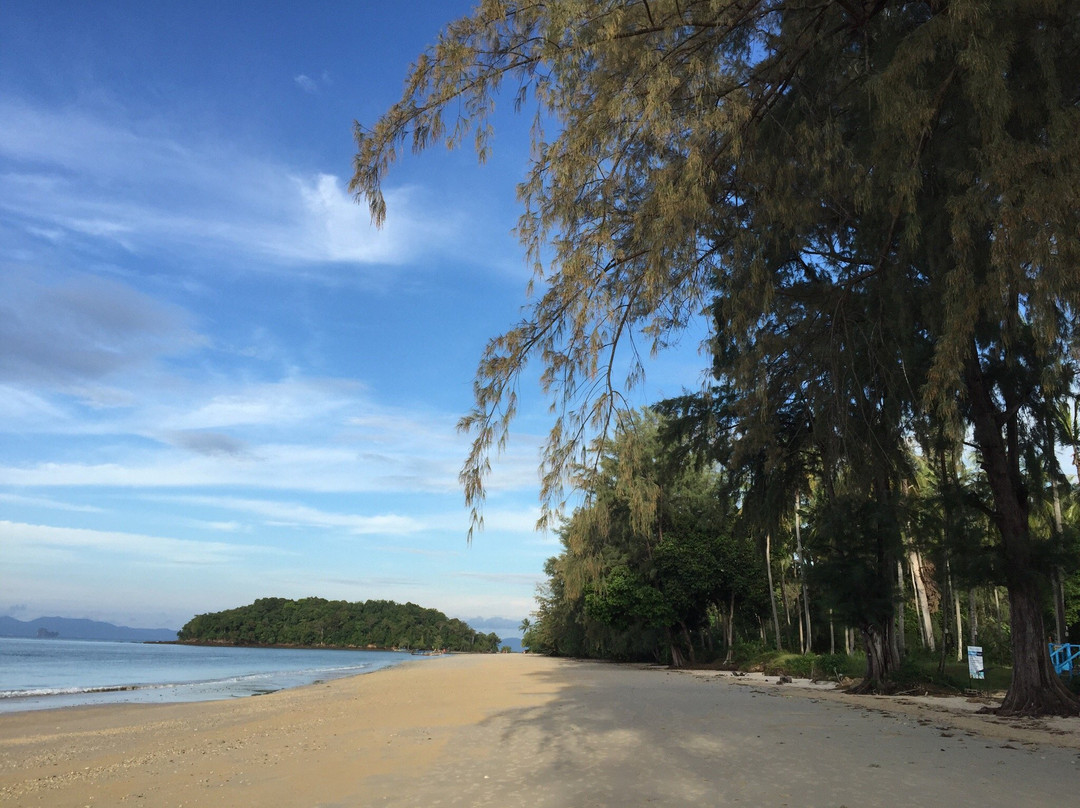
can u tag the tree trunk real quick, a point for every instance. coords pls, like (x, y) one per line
(1059, 604)
(880, 659)
(772, 590)
(1035, 689)
(730, 638)
(689, 644)
(973, 618)
(677, 658)
(946, 632)
(959, 627)
(802, 636)
(807, 645)
(784, 597)
(926, 627)
(916, 597)
(900, 607)
(946, 580)
(1057, 575)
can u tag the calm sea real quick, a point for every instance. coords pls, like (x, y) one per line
(40, 674)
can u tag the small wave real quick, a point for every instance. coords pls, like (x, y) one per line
(290, 673)
(249, 678)
(161, 674)
(66, 691)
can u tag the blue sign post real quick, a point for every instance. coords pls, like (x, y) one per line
(1064, 657)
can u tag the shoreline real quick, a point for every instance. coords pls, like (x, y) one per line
(518, 729)
(122, 673)
(289, 647)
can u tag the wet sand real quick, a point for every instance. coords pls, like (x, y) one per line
(519, 730)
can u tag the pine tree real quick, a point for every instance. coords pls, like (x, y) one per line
(917, 157)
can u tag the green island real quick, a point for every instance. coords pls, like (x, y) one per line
(320, 623)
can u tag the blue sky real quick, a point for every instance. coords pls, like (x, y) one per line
(217, 381)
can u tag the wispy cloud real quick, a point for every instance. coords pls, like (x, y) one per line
(310, 467)
(29, 409)
(92, 358)
(66, 176)
(213, 444)
(20, 540)
(501, 577)
(221, 527)
(282, 404)
(313, 86)
(293, 514)
(47, 502)
(63, 332)
(307, 84)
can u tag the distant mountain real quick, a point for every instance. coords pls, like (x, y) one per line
(500, 625)
(69, 628)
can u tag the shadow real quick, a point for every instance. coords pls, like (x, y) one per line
(631, 735)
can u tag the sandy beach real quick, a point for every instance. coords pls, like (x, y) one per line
(514, 730)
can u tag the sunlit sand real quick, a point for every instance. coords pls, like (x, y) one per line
(524, 730)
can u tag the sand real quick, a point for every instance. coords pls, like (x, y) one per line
(520, 730)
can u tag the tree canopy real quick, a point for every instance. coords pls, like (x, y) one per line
(651, 559)
(324, 623)
(879, 200)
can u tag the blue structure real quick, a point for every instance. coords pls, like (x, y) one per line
(1063, 655)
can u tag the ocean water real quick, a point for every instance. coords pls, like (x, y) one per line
(41, 674)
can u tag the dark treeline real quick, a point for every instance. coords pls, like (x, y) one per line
(336, 624)
(684, 551)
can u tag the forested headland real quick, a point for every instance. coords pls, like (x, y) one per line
(319, 623)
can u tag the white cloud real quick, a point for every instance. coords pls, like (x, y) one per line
(293, 514)
(510, 520)
(20, 541)
(313, 86)
(306, 83)
(501, 577)
(47, 502)
(70, 178)
(315, 466)
(28, 409)
(221, 527)
(281, 404)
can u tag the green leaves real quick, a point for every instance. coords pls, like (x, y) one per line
(879, 203)
(330, 623)
(649, 556)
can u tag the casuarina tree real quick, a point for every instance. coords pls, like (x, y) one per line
(920, 158)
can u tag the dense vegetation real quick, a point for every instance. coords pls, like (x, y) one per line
(336, 624)
(876, 204)
(676, 559)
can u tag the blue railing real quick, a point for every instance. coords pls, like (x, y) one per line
(1063, 655)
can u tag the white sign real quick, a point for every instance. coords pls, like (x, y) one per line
(975, 662)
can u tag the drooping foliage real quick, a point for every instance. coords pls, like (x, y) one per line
(881, 200)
